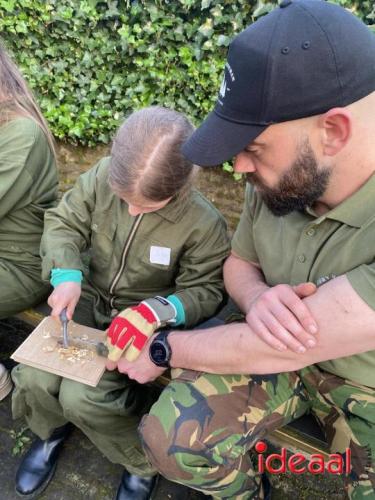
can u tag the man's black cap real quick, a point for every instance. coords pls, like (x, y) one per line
(302, 59)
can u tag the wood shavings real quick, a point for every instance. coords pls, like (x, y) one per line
(72, 354)
(48, 348)
(43, 353)
(75, 354)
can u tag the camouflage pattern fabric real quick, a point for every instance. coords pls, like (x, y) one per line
(346, 411)
(200, 430)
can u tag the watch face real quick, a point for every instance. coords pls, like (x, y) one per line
(158, 352)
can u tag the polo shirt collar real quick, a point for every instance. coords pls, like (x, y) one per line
(355, 210)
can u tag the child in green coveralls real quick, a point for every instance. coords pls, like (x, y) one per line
(149, 234)
(28, 186)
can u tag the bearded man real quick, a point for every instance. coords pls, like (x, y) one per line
(297, 111)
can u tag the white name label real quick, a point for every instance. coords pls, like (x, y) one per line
(160, 255)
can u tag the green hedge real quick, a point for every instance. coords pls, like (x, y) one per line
(90, 62)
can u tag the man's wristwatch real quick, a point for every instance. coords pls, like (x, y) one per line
(160, 351)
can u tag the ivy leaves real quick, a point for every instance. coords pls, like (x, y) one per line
(90, 62)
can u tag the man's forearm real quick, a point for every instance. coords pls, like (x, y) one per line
(346, 327)
(227, 349)
(244, 281)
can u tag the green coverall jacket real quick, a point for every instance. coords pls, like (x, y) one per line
(180, 249)
(28, 186)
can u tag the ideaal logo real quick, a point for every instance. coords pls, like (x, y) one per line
(278, 463)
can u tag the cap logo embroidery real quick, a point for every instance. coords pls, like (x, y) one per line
(224, 83)
(223, 87)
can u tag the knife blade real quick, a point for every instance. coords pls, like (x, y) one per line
(100, 347)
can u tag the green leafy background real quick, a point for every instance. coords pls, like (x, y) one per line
(91, 62)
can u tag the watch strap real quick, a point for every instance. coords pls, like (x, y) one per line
(163, 335)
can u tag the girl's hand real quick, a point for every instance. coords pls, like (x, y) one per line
(64, 295)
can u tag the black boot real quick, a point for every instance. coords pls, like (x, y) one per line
(266, 487)
(38, 465)
(134, 487)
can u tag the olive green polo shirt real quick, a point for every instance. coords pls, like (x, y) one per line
(302, 247)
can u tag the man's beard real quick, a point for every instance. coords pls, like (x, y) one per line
(300, 187)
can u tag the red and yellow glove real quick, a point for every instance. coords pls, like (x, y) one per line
(130, 330)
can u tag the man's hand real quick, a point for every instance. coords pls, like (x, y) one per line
(280, 318)
(64, 295)
(142, 370)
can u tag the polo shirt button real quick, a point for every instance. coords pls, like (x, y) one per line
(310, 232)
(302, 258)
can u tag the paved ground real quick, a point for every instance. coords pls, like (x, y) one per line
(83, 473)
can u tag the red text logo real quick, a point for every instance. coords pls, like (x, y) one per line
(279, 463)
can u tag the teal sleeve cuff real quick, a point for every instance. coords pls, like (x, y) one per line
(180, 315)
(59, 276)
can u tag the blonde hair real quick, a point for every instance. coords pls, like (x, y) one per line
(146, 156)
(16, 99)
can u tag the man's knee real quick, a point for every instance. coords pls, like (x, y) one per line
(174, 440)
(156, 444)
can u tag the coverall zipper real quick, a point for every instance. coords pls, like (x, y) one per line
(125, 252)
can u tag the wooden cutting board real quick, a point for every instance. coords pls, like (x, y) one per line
(42, 350)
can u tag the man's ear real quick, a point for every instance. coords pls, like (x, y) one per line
(336, 125)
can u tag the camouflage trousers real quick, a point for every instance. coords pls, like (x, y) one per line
(203, 425)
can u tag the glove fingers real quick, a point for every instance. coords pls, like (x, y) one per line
(116, 329)
(133, 328)
(133, 342)
(131, 353)
(114, 353)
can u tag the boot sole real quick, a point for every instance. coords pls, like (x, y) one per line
(42, 487)
(6, 387)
